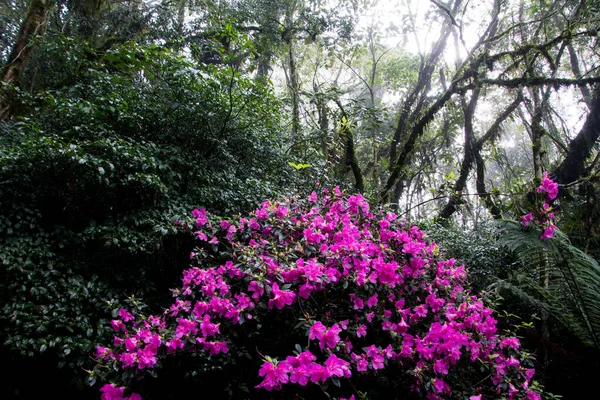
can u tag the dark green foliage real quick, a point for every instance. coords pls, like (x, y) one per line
(581, 215)
(97, 170)
(560, 276)
(515, 260)
(479, 250)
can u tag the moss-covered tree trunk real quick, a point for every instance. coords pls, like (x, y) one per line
(33, 26)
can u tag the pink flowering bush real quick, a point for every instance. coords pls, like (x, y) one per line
(351, 299)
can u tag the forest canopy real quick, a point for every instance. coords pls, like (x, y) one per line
(475, 124)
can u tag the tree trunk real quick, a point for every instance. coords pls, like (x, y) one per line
(294, 89)
(293, 79)
(574, 60)
(181, 16)
(350, 160)
(573, 166)
(482, 191)
(397, 171)
(33, 26)
(473, 154)
(461, 182)
(426, 69)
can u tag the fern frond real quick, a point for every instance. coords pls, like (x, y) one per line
(572, 293)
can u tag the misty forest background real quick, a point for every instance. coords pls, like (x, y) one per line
(118, 117)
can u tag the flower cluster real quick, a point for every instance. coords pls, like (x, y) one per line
(113, 392)
(544, 215)
(397, 303)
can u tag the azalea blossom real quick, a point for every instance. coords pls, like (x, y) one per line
(548, 186)
(527, 218)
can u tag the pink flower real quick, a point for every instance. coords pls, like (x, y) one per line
(125, 315)
(362, 365)
(548, 186)
(200, 216)
(338, 367)
(511, 342)
(529, 373)
(327, 337)
(526, 219)
(185, 327)
(420, 311)
(316, 331)
(174, 344)
(102, 352)
(548, 233)
(224, 225)
(146, 358)
(281, 212)
(372, 302)
(361, 331)
(401, 327)
(281, 298)
(256, 289)
(318, 373)
(231, 232)
(117, 325)
(304, 358)
(377, 362)
(128, 359)
(358, 303)
(440, 367)
(207, 328)
(533, 396)
(274, 375)
(301, 374)
(111, 392)
(130, 344)
(213, 348)
(305, 290)
(392, 278)
(441, 386)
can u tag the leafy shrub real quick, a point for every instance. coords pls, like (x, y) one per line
(377, 303)
(479, 250)
(95, 171)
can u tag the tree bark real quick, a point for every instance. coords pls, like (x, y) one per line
(350, 160)
(573, 166)
(426, 69)
(574, 60)
(473, 153)
(416, 132)
(293, 79)
(469, 144)
(32, 26)
(181, 16)
(482, 191)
